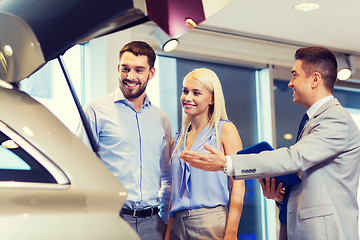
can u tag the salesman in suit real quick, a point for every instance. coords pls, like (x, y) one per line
(327, 155)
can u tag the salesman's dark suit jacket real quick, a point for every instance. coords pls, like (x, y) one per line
(324, 205)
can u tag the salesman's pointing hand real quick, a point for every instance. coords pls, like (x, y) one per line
(213, 161)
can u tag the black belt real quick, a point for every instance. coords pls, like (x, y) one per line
(140, 212)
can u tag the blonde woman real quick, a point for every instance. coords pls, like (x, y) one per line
(200, 199)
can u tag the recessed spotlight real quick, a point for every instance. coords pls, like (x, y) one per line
(307, 7)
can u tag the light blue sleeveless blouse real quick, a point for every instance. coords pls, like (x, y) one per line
(194, 188)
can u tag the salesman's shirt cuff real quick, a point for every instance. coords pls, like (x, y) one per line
(229, 165)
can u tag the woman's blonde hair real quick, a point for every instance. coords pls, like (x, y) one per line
(217, 110)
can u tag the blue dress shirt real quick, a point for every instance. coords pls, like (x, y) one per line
(194, 188)
(135, 146)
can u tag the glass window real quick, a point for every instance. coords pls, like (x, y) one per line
(287, 114)
(8, 158)
(17, 165)
(349, 98)
(48, 86)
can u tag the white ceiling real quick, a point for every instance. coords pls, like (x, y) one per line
(334, 25)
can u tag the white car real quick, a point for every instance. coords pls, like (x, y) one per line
(51, 185)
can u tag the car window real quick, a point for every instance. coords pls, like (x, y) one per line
(21, 162)
(9, 160)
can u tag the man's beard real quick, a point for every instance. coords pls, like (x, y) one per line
(133, 93)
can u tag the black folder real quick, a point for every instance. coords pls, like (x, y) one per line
(287, 180)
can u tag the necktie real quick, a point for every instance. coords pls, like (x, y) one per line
(302, 124)
(283, 209)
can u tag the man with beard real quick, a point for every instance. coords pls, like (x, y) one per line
(133, 138)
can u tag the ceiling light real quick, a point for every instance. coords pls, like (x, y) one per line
(346, 66)
(170, 45)
(166, 43)
(344, 74)
(307, 7)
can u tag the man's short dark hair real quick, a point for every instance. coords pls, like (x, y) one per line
(321, 60)
(140, 48)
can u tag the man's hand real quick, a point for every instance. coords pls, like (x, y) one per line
(269, 190)
(213, 161)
